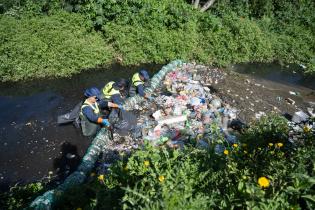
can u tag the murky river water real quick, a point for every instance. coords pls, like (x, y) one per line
(31, 142)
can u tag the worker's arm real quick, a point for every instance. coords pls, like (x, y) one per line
(102, 104)
(113, 105)
(105, 104)
(140, 90)
(116, 98)
(89, 113)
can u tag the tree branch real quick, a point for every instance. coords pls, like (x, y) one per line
(207, 5)
(196, 4)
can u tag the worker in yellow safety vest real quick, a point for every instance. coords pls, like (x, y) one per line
(112, 91)
(137, 84)
(90, 115)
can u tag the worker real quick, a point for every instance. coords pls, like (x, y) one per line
(90, 115)
(137, 84)
(112, 91)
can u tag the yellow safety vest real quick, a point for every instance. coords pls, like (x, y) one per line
(94, 106)
(89, 128)
(109, 90)
(136, 80)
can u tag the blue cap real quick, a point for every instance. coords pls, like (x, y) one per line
(93, 91)
(145, 74)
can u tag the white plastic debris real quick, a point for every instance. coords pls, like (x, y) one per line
(311, 111)
(206, 89)
(157, 115)
(260, 114)
(290, 101)
(300, 116)
(303, 66)
(195, 101)
(216, 103)
(70, 156)
(294, 93)
(173, 120)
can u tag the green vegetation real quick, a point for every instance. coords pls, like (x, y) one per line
(20, 196)
(263, 171)
(39, 39)
(48, 46)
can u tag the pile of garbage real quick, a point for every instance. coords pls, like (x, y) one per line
(184, 111)
(301, 124)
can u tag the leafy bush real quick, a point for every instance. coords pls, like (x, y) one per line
(232, 39)
(145, 31)
(48, 46)
(138, 45)
(270, 174)
(19, 196)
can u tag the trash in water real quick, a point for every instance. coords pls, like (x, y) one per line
(70, 156)
(311, 111)
(260, 114)
(279, 98)
(290, 101)
(216, 103)
(303, 66)
(294, 93)
(300, 116)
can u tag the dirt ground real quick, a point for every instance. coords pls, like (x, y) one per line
(253, 95)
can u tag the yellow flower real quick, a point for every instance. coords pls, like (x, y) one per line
(161, 178)
(263, 182)
(235, 145)
(306, 129)
(101, 177)
(226, 152)
(270, 144)
(146, 163)
(279, 145)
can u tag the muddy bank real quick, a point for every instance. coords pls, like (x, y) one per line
(267, 90)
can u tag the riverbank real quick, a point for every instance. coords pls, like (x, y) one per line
(62, 42)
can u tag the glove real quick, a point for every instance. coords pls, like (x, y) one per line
(105, 122)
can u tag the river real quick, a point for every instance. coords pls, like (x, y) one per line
(32, 146)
